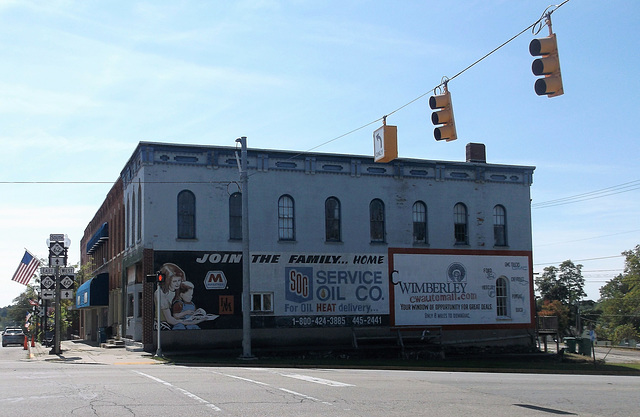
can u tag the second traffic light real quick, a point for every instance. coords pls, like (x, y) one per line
(548, 65)
(443, 116)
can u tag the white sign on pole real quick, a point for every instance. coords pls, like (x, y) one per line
(48, 294)
(67, 271)
(56, 237)
(66, 294)
(56, 261)
(46, 270)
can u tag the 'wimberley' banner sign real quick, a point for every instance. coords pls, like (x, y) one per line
(457, 288)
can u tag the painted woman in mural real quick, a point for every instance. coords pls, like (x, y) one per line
(177, 310)
(174, 277)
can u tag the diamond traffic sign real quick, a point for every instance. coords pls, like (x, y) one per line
(56, 249)
(67, 283)
(47, 282)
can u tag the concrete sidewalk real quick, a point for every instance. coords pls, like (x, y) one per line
(80, 351)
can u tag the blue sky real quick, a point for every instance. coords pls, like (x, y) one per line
(81, 83)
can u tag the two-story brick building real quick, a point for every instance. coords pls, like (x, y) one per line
(337, 244)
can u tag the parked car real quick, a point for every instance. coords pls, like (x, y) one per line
(12, 337)
(10, 327)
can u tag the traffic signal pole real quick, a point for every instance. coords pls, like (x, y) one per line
(159, 349)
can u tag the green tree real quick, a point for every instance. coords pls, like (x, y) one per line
(620, 298)
(564, 283)
(17, 312)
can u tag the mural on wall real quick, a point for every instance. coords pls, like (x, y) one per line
(324, 289)
(203, 290)
(194, 296)
(461, 288)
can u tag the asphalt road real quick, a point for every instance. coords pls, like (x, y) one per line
(74, 386)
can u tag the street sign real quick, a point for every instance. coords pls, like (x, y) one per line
(56, 237)
(48, 294)
(67, 283)
(56, 249)
(56, 261)
(67, 271)
(66, 295)
(46, 270)
(47, 282)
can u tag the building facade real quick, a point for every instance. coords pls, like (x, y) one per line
(338, 244)
(100, 298)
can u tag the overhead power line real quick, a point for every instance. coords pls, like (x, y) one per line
(603, 192)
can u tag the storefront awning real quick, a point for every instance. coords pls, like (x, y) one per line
(93, 293)
(98, 238)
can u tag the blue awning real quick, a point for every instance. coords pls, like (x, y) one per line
(98, 238)
(93, 293)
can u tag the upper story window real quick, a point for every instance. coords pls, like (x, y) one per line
(186, 215)
(499, 226)
(127, 213)
(502, 297)
(460, 224)
(286, 219)
(133, 218)
(419, 215)
(139, 223)
(376, 220)
(235, 216)
(332, 224)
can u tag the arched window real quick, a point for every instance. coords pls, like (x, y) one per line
(235, 216)
(127, 222)
(419, 215)
(376, 220)
(186, 215)
(286, 218)
(139, 212)
(499, 226)
(502, 297)
(460, 224)
(332, 224)
(133, 218)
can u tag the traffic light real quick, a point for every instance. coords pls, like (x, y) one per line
(548, 65)
(160, 277)
(443, 117)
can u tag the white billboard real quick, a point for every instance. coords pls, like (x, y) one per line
(460, 288)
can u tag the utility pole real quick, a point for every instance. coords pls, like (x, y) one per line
(246, 265)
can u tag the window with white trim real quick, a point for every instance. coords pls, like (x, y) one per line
(262, 302)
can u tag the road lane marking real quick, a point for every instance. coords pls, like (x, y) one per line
(183, 391)
(318, 380)
(307, 397)
(253, 381)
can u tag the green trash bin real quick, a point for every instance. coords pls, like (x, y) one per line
(584, 346)
(571, 344)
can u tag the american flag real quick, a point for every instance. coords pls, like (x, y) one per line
(28, 266)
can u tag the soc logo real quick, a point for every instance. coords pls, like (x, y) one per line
(299, 284)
